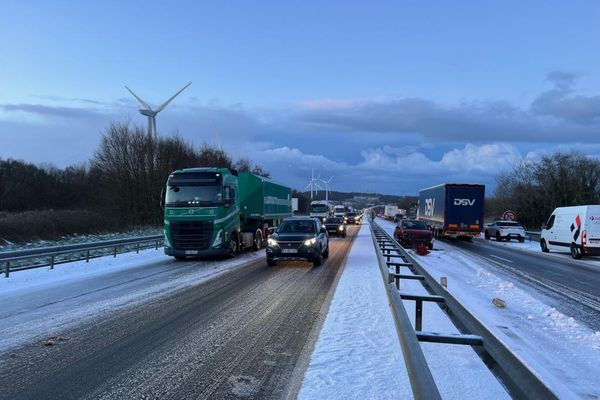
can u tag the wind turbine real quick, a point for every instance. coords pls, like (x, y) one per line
(150, 113)
(313, 183)
(327, 182)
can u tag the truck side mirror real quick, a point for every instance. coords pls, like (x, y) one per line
(323, 230)
(162, 198)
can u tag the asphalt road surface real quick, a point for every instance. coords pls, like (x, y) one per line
(243, 334)
(573, 284)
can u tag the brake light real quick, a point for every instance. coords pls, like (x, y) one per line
(584, 238)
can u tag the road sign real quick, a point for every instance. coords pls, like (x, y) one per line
(509, 215)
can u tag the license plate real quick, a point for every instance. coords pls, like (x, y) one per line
(191, 252)
(332, 230)
(288, 251)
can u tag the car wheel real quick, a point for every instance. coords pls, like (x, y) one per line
(498, 237)
(271, 262)
(326, 253)
(521, 239)
(575, 253)
(318, 260)
(487, 235)
(544, 247)
(180, 258)
(430, 246)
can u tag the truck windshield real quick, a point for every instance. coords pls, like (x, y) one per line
(194, 190)
(319, 208)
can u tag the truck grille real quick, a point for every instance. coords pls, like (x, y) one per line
(191, 234)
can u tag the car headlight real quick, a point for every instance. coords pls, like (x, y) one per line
(341, 228)
(324, 219)
(272, 242)
(310, 242)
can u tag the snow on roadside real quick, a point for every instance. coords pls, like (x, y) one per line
(565, 354)
(158, 276)
(358, 356)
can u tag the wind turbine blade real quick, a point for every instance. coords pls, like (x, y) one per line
(142, 102)
(163, 105)
(308, 186)
(330, 179)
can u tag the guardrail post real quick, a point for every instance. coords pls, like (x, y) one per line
(51, 262)
(7, 269)
(397, 277)
(137, 250)
(156, 248)
(115, 254)
(418, 315)
(87, 257)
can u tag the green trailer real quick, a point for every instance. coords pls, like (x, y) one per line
(218, 211)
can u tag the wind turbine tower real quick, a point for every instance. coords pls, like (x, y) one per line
(151, 113)
(313, 184)
(327, 182)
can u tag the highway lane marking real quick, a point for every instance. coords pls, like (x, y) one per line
(501, 258)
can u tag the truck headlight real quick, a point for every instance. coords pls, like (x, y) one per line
(310, 242)
(218, 239)
(272, 242)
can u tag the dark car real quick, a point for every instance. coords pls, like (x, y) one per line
(410, 233)
(298, 238)
(335, 226)
(352, 218)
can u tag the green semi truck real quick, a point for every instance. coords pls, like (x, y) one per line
(218, 211)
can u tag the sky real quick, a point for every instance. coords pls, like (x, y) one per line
(386, 97)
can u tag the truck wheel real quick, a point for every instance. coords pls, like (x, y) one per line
(318, 260)
(487, 235)
(575, 252)
(258, 241)
(498, 237)
(233, 246)
(271, 262)
(544, 247)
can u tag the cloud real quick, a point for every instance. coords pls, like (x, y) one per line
(561, 103)
(52, 111)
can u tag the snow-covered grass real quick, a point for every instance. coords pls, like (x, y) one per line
(39, 303)
(358, 356)
(565, 354)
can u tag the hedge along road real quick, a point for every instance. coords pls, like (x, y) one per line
(240, 334)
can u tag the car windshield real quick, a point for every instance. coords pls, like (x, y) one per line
(414, 225)
(333, 221)
(351, 214)
(300, 226)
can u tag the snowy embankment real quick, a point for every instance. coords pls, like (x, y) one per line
(358, 356)
(565, 354)
(41, 303)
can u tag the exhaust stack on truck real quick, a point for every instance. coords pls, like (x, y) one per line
(453, 210)
(218, 211)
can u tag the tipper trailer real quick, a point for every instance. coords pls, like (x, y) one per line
(453, 210)
(218, 211)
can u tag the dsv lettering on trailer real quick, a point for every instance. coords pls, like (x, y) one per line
(464, 202)
(429, 205)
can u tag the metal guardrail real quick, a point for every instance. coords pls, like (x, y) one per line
(513, 374)
(535, 236)
(9, 258)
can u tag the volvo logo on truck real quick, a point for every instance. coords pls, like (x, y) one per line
(464, 202)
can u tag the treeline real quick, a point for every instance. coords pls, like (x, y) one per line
(534, 188)
(118, 188)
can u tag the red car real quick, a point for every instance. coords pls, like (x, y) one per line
(410, 233)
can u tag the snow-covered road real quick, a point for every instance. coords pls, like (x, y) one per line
(561, 350)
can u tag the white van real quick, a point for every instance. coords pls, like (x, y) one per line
(575, 229)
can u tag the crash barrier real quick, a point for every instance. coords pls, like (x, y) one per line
(512, 373)
(533, 236)
(20, 260)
